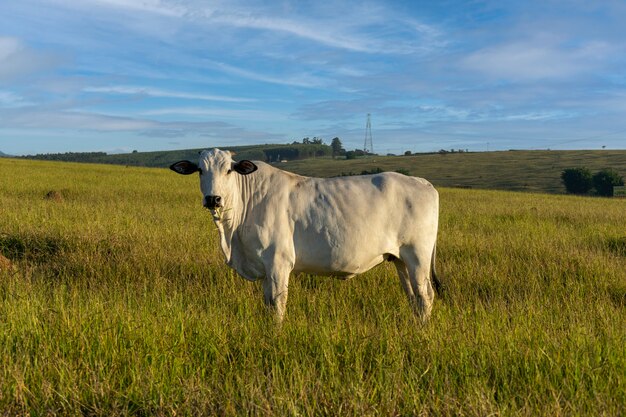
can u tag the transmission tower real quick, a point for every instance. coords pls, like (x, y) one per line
(368, 147)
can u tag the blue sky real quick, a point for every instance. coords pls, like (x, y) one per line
(123, 75)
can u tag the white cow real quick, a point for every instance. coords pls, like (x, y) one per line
(272, 222)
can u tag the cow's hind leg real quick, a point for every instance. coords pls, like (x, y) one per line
(418, 268)
(403, 274)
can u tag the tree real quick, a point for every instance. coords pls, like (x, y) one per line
(605, 180)
(354, 154)
(577, 180)
(337, 147)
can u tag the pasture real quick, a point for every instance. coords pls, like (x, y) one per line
(114, 300)
(532, 171)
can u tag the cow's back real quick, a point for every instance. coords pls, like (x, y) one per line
(346, 225)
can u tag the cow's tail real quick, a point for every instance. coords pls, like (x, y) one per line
(433, 272)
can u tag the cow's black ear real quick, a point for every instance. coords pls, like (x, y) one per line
(184, 167)
(245, 167)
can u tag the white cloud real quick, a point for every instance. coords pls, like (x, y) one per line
(12, 100)
(327, 36)
(17, 60)
(375, 30)
(158, 7)
(37, 118)
(537, 59)
(221, 113)
(300, 80)
(157, 92)
(8, 47)
(326, 26)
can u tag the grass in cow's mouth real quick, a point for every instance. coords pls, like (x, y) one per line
(218, 213)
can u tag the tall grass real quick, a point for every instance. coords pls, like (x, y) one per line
(118, 303)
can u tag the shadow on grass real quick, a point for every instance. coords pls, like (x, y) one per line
(616, 245)
(31, 247)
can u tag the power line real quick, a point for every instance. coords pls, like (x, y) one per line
(368, 147)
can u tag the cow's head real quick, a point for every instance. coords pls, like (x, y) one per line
(218, 174)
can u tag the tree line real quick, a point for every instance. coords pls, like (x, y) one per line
(581, 181)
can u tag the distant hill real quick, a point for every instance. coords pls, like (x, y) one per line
(268, 153)
(535, 171)
(4, 155)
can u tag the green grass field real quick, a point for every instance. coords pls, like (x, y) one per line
(534, 171)
(118, 302)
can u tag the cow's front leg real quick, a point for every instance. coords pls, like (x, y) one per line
(275, 288)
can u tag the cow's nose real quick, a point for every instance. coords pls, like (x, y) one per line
(212, 201)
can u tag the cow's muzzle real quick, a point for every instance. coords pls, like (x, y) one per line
(212, 201)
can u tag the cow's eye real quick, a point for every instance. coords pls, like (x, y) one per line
(229, 171)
